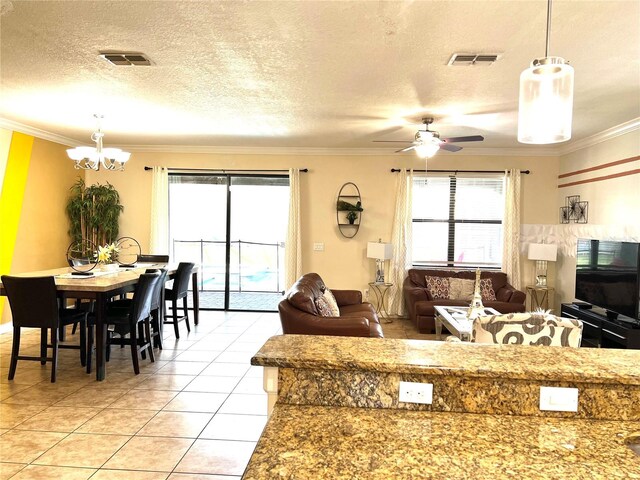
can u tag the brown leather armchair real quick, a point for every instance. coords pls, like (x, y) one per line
(299, 314)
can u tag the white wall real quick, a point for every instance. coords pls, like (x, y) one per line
(614, 203)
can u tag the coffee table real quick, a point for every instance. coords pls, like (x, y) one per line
(456, 321)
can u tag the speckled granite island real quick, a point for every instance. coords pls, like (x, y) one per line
(336, 411)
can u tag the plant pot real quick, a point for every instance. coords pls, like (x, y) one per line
(109, 267)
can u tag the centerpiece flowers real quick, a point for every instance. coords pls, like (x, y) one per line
(107, 256)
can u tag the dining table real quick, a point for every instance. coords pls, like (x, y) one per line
(101, 287)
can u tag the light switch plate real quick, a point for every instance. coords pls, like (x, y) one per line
(559, 399)
(414, 392)
(318, 247)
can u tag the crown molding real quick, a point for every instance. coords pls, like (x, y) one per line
(36, 132)
(608, 134)
(233, 150)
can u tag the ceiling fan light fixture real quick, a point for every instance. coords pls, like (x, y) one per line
(427, 150)
(545, 107)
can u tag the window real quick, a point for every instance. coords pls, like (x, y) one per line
(457, 221)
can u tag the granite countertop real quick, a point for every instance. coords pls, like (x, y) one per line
(444, 358)
(304, 442)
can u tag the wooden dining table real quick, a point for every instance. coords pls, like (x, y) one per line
(101, 288)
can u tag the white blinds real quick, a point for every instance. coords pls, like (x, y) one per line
(457, 221)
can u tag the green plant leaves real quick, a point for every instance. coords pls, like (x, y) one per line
(94, 212)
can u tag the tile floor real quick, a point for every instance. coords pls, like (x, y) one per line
(196, 413)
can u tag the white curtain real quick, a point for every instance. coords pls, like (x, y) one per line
(511, 247)
(293, 245)
(401, 241)
(159, 235)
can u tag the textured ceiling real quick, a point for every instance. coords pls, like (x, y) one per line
(306, 73)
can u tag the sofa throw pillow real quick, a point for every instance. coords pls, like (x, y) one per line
(331, 301)
(438, 286)
(486, 290)
(323, 307)
(461, 289)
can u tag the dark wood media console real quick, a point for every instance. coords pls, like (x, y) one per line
(599, 331)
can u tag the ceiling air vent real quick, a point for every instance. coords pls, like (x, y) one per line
(126, 58)
(466, 59)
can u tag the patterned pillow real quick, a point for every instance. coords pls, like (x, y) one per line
(486, 290)
(323, 307)
(331, 301)
(438, 286)
(461, 289)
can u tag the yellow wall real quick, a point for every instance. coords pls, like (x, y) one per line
(41, 238)
(343, 263)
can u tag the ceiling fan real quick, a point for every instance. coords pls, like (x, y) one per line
(428, 142)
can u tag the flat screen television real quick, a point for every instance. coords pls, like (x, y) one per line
(607, 276)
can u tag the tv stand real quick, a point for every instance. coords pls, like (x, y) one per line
(612, 315)
(601, 332)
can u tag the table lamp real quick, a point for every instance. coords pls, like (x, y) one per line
(542, 253)
(381, 252)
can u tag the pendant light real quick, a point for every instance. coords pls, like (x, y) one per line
(546, 98)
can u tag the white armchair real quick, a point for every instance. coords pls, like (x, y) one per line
(529, 328)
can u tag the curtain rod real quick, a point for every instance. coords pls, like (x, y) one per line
(305, 170)
(395, 170)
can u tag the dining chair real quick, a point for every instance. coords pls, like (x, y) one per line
(146, 258)
(131, 324)
(157, 303)
(178, 291)
(34, 304)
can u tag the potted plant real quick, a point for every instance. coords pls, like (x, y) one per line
(94, 213)
(352, 216)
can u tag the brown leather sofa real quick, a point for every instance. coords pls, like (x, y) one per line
(420, 303)
(299, 314)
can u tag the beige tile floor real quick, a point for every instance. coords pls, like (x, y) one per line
(196, 413)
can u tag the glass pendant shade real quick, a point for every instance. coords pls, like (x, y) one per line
(546, 102)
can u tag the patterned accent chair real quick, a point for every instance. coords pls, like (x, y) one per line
(529, 328)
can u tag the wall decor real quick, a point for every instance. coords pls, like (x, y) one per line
(575, 211)
(349, 210)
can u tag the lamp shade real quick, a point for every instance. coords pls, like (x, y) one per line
(380, 251)
(545, 108)
(543, 251)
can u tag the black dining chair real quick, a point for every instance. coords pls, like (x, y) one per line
(34, 304)
(145, 258)
(132, 324)
(178, 291)
(157, 303)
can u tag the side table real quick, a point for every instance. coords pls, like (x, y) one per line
(380, 290)
(540, 297)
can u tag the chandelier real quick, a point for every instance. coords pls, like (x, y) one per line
(546, 98)
(90, 158)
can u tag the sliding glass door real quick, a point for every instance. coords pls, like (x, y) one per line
(234, 227)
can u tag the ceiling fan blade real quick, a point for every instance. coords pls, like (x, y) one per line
(470, 138)
(406, 149)
(449, 147)
(392, 141)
